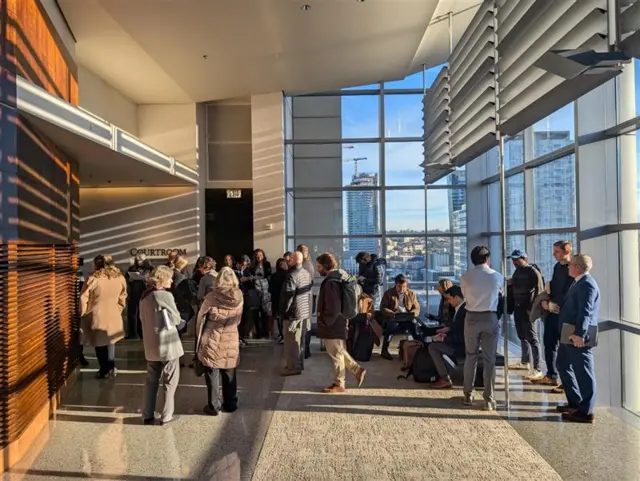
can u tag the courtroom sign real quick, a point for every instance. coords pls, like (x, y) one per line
(156, 253)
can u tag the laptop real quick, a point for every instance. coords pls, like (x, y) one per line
(590, 340)
(403, 317)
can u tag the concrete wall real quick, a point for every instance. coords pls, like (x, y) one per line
(101, 99)
(267, 139)
(115, 220)
(229, 144)
(170, 128)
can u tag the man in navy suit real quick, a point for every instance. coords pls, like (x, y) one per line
(575, 360)
(449, 341)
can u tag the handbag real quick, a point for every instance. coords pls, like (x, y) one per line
(199, 368)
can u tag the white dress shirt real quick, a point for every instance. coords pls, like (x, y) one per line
(481, 287)
(401, 307)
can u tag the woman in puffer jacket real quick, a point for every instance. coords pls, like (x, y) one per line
(218, 346)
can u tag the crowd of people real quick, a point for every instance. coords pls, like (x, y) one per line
(249, 299)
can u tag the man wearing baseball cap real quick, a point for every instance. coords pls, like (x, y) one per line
(525, 285)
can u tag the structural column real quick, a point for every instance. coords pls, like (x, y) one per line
(267, 144)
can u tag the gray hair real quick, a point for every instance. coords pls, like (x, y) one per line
(160, 276)
(583, 261)
(227, 279)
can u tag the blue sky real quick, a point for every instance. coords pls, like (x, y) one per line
(405, 209)
(403, 118)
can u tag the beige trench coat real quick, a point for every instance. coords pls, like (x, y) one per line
(101, 304)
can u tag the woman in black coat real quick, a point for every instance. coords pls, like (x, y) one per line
(277, 282)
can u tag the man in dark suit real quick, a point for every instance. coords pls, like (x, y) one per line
(575, 360)
(450, 340)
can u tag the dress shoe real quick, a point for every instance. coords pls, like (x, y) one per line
(386, 355)
(333, 389)
(545, 381)
(360, 374)
(210, 411)
(442, 383)
(565, 408)
(287, 373)
(83, 361)
(149, 422)
(578, 417)
(229, 409)
(558, 389)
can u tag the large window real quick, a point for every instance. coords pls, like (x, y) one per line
(554, 194)
(355, 183)
(554, 132)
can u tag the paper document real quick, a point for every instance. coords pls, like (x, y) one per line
(166, 318)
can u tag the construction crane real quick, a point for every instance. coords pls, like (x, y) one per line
(355, 164)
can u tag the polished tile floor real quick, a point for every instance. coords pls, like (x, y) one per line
(286, 429)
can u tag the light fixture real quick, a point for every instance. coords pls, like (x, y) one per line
(305, 7)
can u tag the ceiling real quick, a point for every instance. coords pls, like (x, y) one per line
(153, 50)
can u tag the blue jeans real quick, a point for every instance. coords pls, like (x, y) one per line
(578, 375)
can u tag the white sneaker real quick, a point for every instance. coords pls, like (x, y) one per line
(535, 375)
(521, 366)
(490, 405)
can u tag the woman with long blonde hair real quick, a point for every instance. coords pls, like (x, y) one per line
(218, 342)
(102, 301)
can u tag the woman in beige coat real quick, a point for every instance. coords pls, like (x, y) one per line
(218, 347)
(102, 300)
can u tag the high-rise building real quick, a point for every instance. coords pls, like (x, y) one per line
(362, 213)
(459, 225)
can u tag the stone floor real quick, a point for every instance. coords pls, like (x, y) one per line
(285, 429)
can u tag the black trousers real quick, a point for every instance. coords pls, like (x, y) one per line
(106, 364)
(134, 325)
(212, 378)
(528, 336)
(307, 343)
(551, 339)
(394, 327)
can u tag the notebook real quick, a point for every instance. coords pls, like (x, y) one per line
(590, 340)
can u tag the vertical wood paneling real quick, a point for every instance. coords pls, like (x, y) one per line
(40, 55)
(38, 310)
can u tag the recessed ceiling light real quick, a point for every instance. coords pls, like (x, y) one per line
(305, 7)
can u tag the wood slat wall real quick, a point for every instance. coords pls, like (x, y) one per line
(38, 272)
(36, 50)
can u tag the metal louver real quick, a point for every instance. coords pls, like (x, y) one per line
(436, 112)
(550, 54)
(630, 27)
(472, 83)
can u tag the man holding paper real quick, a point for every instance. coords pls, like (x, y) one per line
(579, 320)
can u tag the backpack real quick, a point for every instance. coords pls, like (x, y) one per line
(422, 367)
(351, 291)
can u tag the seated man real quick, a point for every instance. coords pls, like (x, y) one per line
(397, 300)
(450, 340)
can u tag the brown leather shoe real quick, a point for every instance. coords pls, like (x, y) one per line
(442, 384)
(578, 417)
(362, 372)
(333, 389)
(545, 381)
(558, 389)
(286, 373)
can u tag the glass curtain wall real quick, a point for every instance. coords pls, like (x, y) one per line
(354, 183)
(540, 191)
